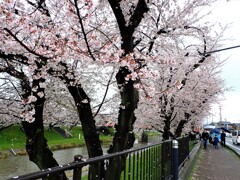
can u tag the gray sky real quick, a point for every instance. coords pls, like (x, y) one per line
(229, 12)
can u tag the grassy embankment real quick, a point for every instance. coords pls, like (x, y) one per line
(14, 138)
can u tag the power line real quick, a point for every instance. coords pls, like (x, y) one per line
(218, 50)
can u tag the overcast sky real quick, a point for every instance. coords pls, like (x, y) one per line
(228, 11)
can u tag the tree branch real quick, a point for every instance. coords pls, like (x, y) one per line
(26, 47)
(83, 30)
(105, 94)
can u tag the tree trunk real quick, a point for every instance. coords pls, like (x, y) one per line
(180, 126)
(37, 148)
(126, 117)
(123, 138)
(36, 143)
(166, 130)
(91, 136)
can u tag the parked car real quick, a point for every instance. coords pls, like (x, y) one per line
(236, 137)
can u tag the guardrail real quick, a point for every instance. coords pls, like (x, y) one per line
(153, 162)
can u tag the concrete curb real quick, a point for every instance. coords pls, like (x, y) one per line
(231, 149)
(186, 167)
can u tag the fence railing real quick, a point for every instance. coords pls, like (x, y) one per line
(152, 162)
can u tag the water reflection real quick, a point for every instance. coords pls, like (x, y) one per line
(19, 165)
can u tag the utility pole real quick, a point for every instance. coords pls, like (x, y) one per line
(220, 109)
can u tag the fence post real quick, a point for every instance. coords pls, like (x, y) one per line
(77, 172)
(175, 159)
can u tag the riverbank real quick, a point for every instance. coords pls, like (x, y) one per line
(22, 151)
(13, 140)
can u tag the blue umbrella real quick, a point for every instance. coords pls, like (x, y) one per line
(216, 130)
(225, 129)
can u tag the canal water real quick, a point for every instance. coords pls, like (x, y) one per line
(19, 165)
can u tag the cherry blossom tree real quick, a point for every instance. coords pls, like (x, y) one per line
(183, 106)
(129, 36)
(36, 143)
(9, 102)
(176, 104)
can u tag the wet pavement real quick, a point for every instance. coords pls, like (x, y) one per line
(219, 164)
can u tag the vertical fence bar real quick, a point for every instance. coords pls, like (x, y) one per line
(77, 171)
(159, 162)
(149, 164)
(129, 166)
(141, 164)
(125, 170)
(133, 171)
(152, 162)
(156, 162)
(175, 159)
(144, 170)
(113, 169)
(98, 175)
(61, 176)
(146, 164)
(138, 167)
(163, 160)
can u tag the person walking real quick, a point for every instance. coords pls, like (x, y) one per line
(216, 140)
(205, 137)
(223, 139)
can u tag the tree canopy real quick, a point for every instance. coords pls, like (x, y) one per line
(60, 58)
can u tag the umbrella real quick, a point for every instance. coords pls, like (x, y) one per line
(216, 130)
(225, 129)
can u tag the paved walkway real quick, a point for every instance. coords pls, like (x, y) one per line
(219, 164)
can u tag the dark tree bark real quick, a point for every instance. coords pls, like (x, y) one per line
(167, 116)
(36, 143)
(90, 133)
(129, 95)
(166, 130)
(122, 138)
(82, 103)
(179, 128)
(91, 136)
(181, 124)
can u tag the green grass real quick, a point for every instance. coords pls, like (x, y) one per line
(194, 167)
(153, 133)
(55, 139)
(192, 145)
(13, 137)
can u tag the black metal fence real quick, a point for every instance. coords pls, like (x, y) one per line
(153, 162)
